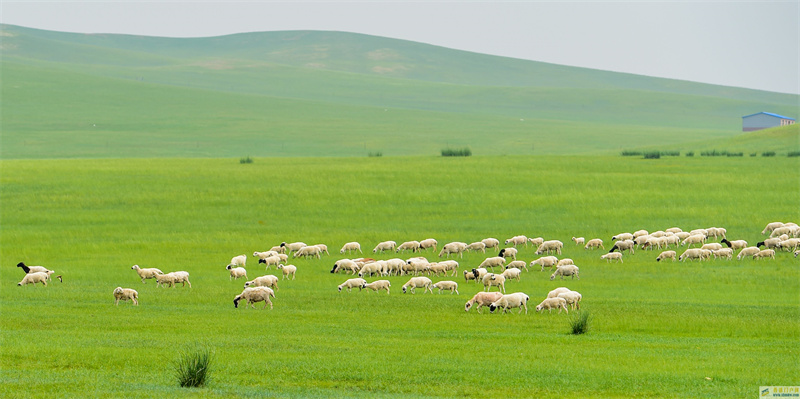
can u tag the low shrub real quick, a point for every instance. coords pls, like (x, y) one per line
(631, 153)
(453, 152)
(734, 154)
(375, 154)
(793, 154)
(768, 154)
(652, 155)
(690, 153)
(246, 159)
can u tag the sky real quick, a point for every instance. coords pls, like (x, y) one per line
(751, 44)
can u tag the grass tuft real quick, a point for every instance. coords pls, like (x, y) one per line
(246, 159)
(768, 154)
(453, 152)
(793, 154)
(375, 154)
(193, 367)
(652, 155)
(579, 322)
(690, 153)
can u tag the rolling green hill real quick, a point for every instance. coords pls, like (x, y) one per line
(308, 93)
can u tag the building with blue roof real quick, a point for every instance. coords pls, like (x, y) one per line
(764, 120)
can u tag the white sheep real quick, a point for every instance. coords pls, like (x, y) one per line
(482, 299)
(236, 272)
(267, 280)
(573, 299)
(748, 251)
(147, 272)
(536, 241)
(508, 253)
(371, 268)
(308, 250)
(436, 268)
(453, 248)
(352, 283)
(550, 246)
(780, 231)
(765, 253)
(345, 264)
(512, 273)
(264, 255)
(517, 240)
(773, 242)
(735, 244)
(771, 226)
(351, 247)
(693, 239)
(491, 242)
(566, 270)
(450, 265)
(395, 266)
(36, 277)
(281, 249)
(32, 269)
(479, 273)
(125, 294)
(796, 253)
(477, 246)
(716, 232)
(165, 279)
(494, 280)
(726, 253)
(712, 246)
(238, 260)
(469, 275)
(295, 246)
(378, 285)
(790, 244)
(412, 246)
(639, 233)
(451, 286)
(253, 295)
(545, 261)
(673, 230)
(667, 255)
(418, 282)
(622, 237)
(288, 270)
(623, 245)
(510, 301)
(492, 262)
(271, 260)
(385, 246)
(579, 240)
(565, 261)
(612, 256)
(554, 293)
(428, 243)
(553, 303)
(594, 243)
(694, 253)
(519, 264)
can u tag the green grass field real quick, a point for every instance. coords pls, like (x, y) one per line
(712, 329)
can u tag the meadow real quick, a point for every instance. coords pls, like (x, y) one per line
(712, 329)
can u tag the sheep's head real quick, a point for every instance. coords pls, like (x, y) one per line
(538, 308)
(340, 288)
(229, 267)
(468, 306)
(236, 301)
(492, 307)
(553, 277)
(247, 284)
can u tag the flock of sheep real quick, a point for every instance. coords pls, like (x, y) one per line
(782, 237)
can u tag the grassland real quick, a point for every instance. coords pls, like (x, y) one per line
(712, 329)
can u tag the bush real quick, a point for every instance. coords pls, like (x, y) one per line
(670, 153)
(246, 160)
(375, 154)
(690, 153)
(713, 153)
(735, 154)
(752, 154)
(579, 322)
(193, 367)
(768, 154)
(630, 153)
(793, 154)
(652, 155)
(452, 152)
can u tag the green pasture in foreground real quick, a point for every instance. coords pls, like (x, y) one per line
(661, 330)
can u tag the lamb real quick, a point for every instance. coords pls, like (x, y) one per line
(492, 262)
(519, 264)
(566, 270)
(749, 251)
(353, 283)
(345, 264)
(236, 272)
(482, 299)
(579, 240)
(451, 286)
(550, 246)
(270, 260)
(536, 241)
(517, 240)
(322, 248)
(418, 282)
(573, 299)
(726, 253)
(378, 285)
(623, 245)
(667, 255)
(253, 295)
(594, 243)
(268, 280)
(553, 303)
(477, 246)
(309, 250)
(288, 270)
(239, 260)
(622, 237)
(479, 273)
(351, 246)
(126, 294)
(694, 253)
(498, 280)
(428, 243)
(469, 275)
(36, 277)
(612, 256)
(413, 246)
(508, 253)
(765, 253)
(554, 293)
(515, 300)
(512, 273)
(491, 242)
(384, 246)
(735, 244)
(545, 261)
(453, 248)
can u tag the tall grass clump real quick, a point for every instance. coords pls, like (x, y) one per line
(579, 322)
(793, 154)
(453, 152)
(690, 153)
(375, 154)
(631, 153)
(735, 154)
(768, 154)
(246, 159)
(193, 367)
(652, 155)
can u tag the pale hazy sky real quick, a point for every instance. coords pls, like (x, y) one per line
(753, 44)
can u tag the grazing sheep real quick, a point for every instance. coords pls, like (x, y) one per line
(181, 277)
(351, 247)
(236, 272)
(573, 299)
(712, 246)
(32, 269)
(270, 260)
(36, 277)
(309, 250)
(413, 246)
(436, 268)
(796, 253)
(716, 232)
(253, 295)
(694, 253)
(566, 270)
(517, 240)
(469, 275)
(553, 303)
(639, 233)
(579, 240)
(450, 265)
(594, 243)
(295, 246)
(345, 264)
(735, 244)
(288, 270)
(554, 293)
(352, 283)
(508, 253)
(126, 294)
(512, 273)
(264, 255)
(749, 251)
(453, 248)
(267, 280)
(770, 242)
(536, 241)
(565, 261)
(322, 248)
(482, 299)
(395, 266)
(612, 256)
(519, 264)
(780, 231)
(378, 285)
(477, 246)
(165, 279)
(492, 262)
(622, 237)
(623, 245)
(673, 230)
(494, 280)
(545, 261)
(766, 253)
(146, 273)
(491, 242)
(418, 282)
(510, 301)
(384, 246)
(550, 246)
(451, 286)
(790, 244)
(428, 243)
(693, 239)
(667, 255)
(479, 273)
(771, 226)
(726, 253)
(238, 260)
